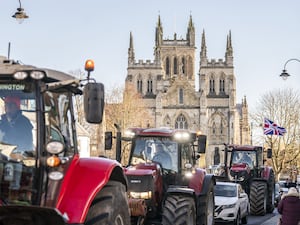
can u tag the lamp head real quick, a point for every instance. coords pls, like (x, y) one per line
(284, 75)
(20, 15)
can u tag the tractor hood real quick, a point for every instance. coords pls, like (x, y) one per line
(142, 169)
(240, 167)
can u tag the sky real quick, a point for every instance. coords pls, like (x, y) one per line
(62, 34)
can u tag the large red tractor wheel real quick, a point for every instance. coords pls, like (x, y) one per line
(110, 207)
(179, 209)
(258, 198)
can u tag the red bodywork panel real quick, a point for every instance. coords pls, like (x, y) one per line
(83, 180)
(266, 172)
(149, 169)
(197, 180)
(240, 167)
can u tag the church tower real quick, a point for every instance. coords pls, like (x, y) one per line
(177, 55)
(167, 85)
(219, 115)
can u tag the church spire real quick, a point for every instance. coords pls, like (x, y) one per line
(246, 129)
(203, 55)
(229, 51)
(131, 56)
(244, 102)
(158, 33)
(191, 33)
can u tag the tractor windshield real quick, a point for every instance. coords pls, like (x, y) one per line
(17, 142)
(248, 157)
(159, 150)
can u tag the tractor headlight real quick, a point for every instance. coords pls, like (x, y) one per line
(188, 174)
(182, 136)
(55, 147)
(20, 75)
(128, 135)
(34, 74)
(142, 195)
(37, 75)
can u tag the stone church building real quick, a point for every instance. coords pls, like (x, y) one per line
(167, 84)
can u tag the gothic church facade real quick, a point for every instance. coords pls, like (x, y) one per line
(167, 84)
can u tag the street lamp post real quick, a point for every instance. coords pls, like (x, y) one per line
(284, 73)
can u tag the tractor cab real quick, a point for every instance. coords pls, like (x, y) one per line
(175, 153)
(245, 164)
(162, 168)
(37, 131)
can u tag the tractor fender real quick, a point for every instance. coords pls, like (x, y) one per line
(266, 172)
(184, 190)
(83, 180)
(197, 180)
(180, 190)
(206, 184)
(259, 179)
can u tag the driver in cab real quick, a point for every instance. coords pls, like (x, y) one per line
(15, 128)
(162, 157)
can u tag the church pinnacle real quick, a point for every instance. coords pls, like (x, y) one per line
(229, 51)
(203, 54)
(131, 56)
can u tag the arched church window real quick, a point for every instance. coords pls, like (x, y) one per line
(183, 65)
(180, 96)
(140, 86)
(214, 128)
(222, 86)
(212, 86)
(149, 86)
(175, 65)
(221, 128)
(167, 66)
(181, 122)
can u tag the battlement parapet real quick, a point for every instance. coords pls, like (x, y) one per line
(218, 63)
(175, 42)
(147, 63)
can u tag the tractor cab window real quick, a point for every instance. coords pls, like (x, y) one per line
(58, 120)
(247, 157)
(186, 157)
(162, 151)
(17, 142)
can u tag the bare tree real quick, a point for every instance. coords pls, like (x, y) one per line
(282, 107)
(126, 108)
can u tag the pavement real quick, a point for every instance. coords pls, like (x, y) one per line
(273, 220)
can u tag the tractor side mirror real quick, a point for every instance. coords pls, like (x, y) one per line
(269, 153)
(108, 140)
(202, 143)
(93, 96)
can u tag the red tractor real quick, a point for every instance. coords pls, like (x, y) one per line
(43, 180)
(165, 186)
(245, 164)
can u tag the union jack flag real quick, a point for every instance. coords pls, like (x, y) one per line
(271, 128)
